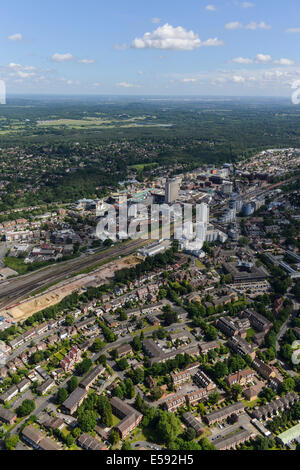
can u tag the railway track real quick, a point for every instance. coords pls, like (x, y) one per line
(18, 288)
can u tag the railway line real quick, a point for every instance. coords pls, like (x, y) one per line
(18, 288)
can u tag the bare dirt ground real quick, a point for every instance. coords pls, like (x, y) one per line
(56, 294)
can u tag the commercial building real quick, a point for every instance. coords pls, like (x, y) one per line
(172, 190)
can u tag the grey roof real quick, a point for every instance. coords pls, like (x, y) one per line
(226, 411)
(91, 376)
(230, 441)
(89, 442)
(192, 421)
(33, 434)
(75, 398)
(6, 415)
(49, 444)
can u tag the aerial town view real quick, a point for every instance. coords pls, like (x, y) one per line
(150, 228)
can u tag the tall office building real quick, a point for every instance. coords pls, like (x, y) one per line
(172, 190)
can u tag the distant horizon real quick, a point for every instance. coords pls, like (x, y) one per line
(145, 95)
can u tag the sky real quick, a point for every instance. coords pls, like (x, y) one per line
(162, 47)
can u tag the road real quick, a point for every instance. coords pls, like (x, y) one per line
(13, 290)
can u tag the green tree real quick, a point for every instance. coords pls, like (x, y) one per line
(25, 408)
(168, 427)
(11, 441)
(72, 384)
(87, 420)
(61, 396)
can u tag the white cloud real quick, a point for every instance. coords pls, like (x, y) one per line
(127, 85)
(234, 25)
(86, 61)
(210, 8)
(293, 30)
(62, 57)
(284, 61)
(247, 5)
(242, 60)
(156, 20)
(189, 80)
(15, 37)
(251, 26)
(262, 25)
(12, 65)
(263, 58)
(168, 37)
(238, 79)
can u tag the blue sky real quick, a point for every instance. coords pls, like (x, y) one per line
(215, 47)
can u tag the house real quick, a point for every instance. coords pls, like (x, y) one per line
(241, 377)
(71, 358)
(54, 423)
(175, 402)
(29, 334)
(23, 385)
(7, 416)
(271, 409)
(230, 441)
(180, 377)
(258, 321)
(88, 442)
(241, 346)
(124, 350)
(205, 347)
(233, 326)
(252, 392)
(130, 418)
(198, 395)
(109, 320)
(90, 378)
(3, 372)
(42, 328)
(45, 386)
(223, 413)
(36, 439)
(264, 369)
(9, 394)
(71, 404)
(192, 422)
(204, 381)
(32, 436)
(15, 343)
